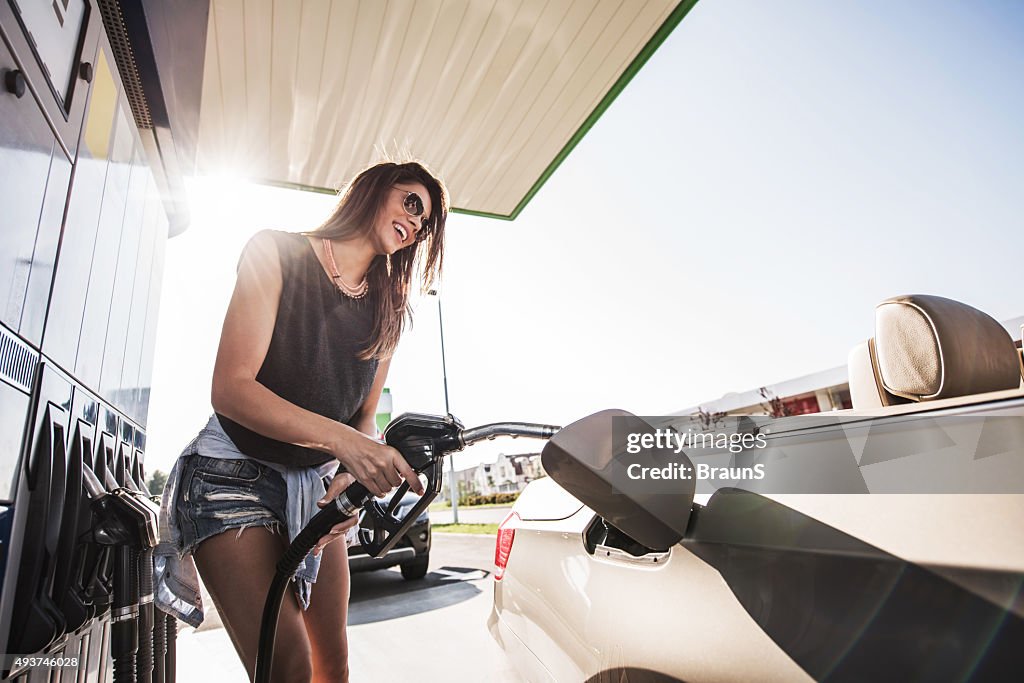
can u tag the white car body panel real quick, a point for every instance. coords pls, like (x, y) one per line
(577, 639)
(553, 630)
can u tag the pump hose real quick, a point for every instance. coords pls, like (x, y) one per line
(318, 527)
(144, 659)
(171, 656)
(124, 634)
(159, 646)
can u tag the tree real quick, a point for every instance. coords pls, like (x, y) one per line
(156, 482)
(774, 406)
(709, 421)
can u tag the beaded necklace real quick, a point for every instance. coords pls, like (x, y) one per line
(356, 292)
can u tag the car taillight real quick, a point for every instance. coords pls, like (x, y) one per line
(503, 544)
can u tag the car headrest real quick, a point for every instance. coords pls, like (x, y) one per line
(866, 390)
(928, 347)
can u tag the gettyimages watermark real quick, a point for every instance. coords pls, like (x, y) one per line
(666, 439)
(818, 454)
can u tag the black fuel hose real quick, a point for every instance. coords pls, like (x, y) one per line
(124, 633)
(159, 646)
(345, 506)
(171, 655)
(144, 658)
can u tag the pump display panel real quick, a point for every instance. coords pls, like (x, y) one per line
(55, 31)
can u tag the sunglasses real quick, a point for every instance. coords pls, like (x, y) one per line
(413, 205)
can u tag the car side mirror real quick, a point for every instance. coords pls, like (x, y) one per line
(590, 460)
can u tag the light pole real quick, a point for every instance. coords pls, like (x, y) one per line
(453, 489)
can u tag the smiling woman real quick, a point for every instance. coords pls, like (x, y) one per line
(386, 209)
(303, 357)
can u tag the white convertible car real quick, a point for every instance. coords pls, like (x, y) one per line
(886, 542)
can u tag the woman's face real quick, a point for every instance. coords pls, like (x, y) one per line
(396, 226)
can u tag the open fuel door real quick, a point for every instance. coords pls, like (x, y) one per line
(590, 459)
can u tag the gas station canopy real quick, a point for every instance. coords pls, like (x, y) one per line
(491, 94)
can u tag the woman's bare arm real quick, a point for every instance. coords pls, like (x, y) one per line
(245, 338)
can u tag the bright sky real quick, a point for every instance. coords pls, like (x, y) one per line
(775, 171)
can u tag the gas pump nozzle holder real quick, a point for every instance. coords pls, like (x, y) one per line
(128, 520)
(125, 517)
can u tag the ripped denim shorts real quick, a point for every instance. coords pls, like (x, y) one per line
(217, 494)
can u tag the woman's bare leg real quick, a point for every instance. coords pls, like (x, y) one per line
(327, 616)
(237, 570)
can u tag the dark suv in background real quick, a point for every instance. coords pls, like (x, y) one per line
(411, 553)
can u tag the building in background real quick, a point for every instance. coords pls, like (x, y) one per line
(819, 392)
(507, 474)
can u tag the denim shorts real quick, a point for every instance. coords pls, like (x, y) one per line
(217, 494)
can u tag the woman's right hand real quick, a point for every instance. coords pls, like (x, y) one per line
(376, 465)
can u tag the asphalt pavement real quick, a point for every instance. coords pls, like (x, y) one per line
(429, 630)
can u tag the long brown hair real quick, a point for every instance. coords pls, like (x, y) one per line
(390, 277)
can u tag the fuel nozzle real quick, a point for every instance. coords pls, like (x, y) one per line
(424, 440)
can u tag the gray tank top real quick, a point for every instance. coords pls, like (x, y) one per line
(313, 359)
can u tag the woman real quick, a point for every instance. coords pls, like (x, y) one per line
(303, 357)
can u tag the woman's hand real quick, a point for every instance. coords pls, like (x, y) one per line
(340, 482)
(336, 532)
(375, 465)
